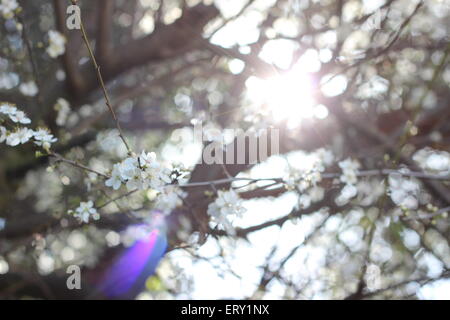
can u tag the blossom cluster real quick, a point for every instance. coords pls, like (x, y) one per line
(8, 7)
(85, 212)
(304, 178)
(313, 194)
(404, 191)
(22, 135)
(62, 106)
(435, 161)
(349, 176)
(140, 172)
(228, 203)
(29, 88)
(349, 169)
(14, 114)
(169, 198)
(57, 44)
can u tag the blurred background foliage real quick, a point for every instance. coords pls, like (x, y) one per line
(377, 90)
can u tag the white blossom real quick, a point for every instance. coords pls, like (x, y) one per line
(304, 201)
(57, 44)
(316, 193)
(121, 173)
(326, 156)
(349, 171)
(159, 178)
(7, 8)
(108, 141)
(303, 185)
(63, 108)
(8, 80)
(370, 190)
(43, 138)
(148, 160)
(29, 88)
(303, 179)
(140, 173)
(156, 175)
(14, 114)
(315, 177)
(309, 172)
(227, 203)
(60, 75)
(404, 192)
(347, 193)
(349, 164)
(128, 168)
(137, 181)
(170, 198)
(8, 109)
(20, 117)
(436, 161)
(20, 136)
(85, 211)
(116, 178)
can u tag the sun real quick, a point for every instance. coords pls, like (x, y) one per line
(285, 97)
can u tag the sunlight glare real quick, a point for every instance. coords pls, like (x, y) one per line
(286, 97)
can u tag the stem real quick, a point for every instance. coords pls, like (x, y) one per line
(60, 158)
(102, 82)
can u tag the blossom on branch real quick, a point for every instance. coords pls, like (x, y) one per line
(349, 176)
(7, 8)
(20, 117)
(62, 106)
(13, 114)
(29, 89)
(57, 44)
(20, 136)
(43, 138)
(142, 172)
(85, 211)
(349, 171)
(404, 192)
(116, 180)
(170, 198)
(228, 203)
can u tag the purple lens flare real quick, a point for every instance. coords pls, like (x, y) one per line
(130, 271)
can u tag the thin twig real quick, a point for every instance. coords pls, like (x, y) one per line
(429, 216)
(33, 63)
(410, 124)
(117, 198)
(102, 83)
(234, 17)
(73, 163)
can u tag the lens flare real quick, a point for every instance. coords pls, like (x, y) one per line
(130, 271)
